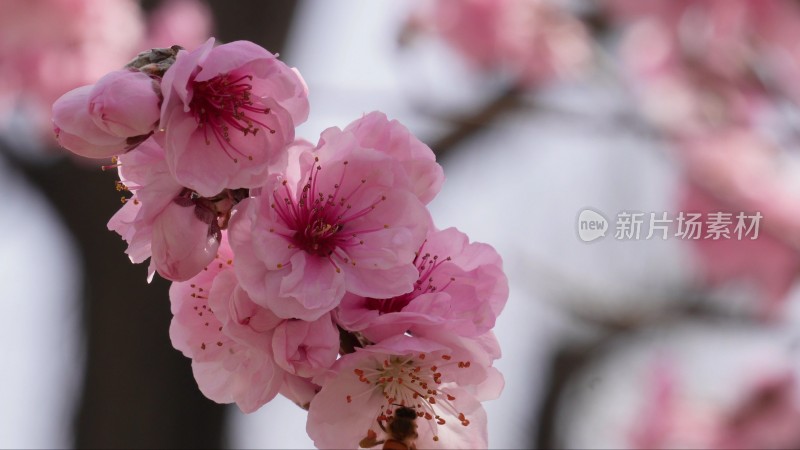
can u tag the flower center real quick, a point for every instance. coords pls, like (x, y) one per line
(426, 266)
(321, 222)
(413, 381)
(221, 104)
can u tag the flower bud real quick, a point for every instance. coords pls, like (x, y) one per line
(108, 118)
(125, 103)
(76, 131)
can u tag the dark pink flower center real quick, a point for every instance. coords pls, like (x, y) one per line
(426, 265)
(222, 105)
(321, 221)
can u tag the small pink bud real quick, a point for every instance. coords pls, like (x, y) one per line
(76, 131)
(125, 103)
(107, 118)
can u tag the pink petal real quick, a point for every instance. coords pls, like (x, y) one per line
(305, 348)
(343, 397)
(314, 284)
(175, 83)
(181, 243)
(233, 56)
(375, 131)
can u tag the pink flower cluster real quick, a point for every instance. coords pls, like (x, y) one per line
(764, 414)
(716, 79)
(50, 46)
(532, 41)
(313, 271)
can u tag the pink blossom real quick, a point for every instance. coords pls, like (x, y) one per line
(109, 117)
(163, 220)
(48, 47)
(125, 103)
(768, 263)
(345, 218)
(437, 380)
(470, 27)
(229, 112)
(143, 171)
(713, 34)
(764, 415)
(374, 130)
(245, 322)
(251, 332)
(739, 170)
(682, 95)
(187, 23)
(76, 131)
(226, 370)
(306, 348)
(695, 62)
(460, 288)
(297, 347)
(299, 390)
(719, 36)
(534, 40)
(182, 243)
(694, 65)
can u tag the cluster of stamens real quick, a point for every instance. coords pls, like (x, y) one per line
(412, 381)
(426, 265)
(319, 221)
(204, 312)
(222, 104)
(119, 185)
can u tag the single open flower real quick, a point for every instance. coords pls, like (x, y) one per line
(229, 112)
(179, 230)
(443, 384)
(345, 219)
(461, 288)
(226, 369)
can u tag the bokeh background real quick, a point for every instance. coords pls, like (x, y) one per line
(538, 110)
